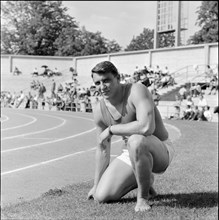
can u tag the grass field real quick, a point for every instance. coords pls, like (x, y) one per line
(187, 190)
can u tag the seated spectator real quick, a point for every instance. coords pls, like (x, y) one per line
(16, 71)
(60, 104)
(207, 113)
(208, 74)
(176, 114)
(165, 72)
(146, 70)
(192, 89)
(35, 72)
(56, 72)
(135, 77)
(157, 70)
(196, 69)
(156, 96)
(89, 106)
(201, 115)
(177, 108)
(122, 79)
(187, 113)
(49, 72)
(183, 92)
(20, 99)
(189, 101)
(136, 69)
(53, 88)
(144, 79)
(35, 102)
(195, 114)
(213, 85)
(164, 81)
(43, 103)
(195, 90)
(172, 81)
(49, 101)
(41, 96)
(92, 90)
(128, 78)
(202, 101)
(60, 88)
(29, 98)
(75, 82)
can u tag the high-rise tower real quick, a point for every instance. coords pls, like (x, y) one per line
(171, 17)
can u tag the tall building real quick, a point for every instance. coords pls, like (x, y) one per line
(172, 17)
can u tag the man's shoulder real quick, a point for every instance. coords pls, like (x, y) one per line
(139, 88)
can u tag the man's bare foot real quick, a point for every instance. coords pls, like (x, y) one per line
(152, 193)
(142, 205)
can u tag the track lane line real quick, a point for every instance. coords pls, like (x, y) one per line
(23, 125)
(53, 141)
(48, 142)
(38, 132)
(6, 118)
(53, 160)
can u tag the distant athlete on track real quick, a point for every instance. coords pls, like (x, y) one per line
(127, 110)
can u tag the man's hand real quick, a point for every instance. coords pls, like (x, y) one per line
(105, 135)
(91, 193)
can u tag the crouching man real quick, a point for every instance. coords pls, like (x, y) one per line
(127, 110)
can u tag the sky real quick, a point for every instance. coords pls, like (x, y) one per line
(121, 20)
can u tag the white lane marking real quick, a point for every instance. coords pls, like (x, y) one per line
(174, 128)
(54, 140)
(48, 142)
(23, 125)
(38, 132)
(50, 161)
(6, 118)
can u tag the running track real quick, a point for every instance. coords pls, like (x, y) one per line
(42, 150)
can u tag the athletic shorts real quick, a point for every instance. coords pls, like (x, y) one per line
(168, 143)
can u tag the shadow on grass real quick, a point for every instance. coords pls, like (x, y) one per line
(190, 200)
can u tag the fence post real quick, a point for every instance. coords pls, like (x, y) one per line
(187, 73)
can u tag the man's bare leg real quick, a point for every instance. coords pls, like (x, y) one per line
(143, 163)
(143, 170)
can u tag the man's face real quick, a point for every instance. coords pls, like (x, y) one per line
(106, 83)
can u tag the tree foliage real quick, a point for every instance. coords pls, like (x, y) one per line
(166, 40)
(208, 21)
(34, 26)
(45, 28)
(142, 42)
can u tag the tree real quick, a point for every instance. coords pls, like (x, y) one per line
(45, 28)
(166, 40)
(85, 43)
(208, 21)
(34, 27)
(112, 46)
(142, 42)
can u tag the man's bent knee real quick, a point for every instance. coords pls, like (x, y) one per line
(138, 145)
(102, 196)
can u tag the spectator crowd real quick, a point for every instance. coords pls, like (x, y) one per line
(71, 96)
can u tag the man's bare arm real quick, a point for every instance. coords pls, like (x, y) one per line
(143, 104)
(103, 149)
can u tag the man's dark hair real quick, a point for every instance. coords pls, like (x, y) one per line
(105, 67)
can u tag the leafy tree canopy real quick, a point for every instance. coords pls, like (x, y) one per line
(208, 21)
(45, 28)
(142, 42)
(32, 27)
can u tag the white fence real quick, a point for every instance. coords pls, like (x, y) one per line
(173, 58)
